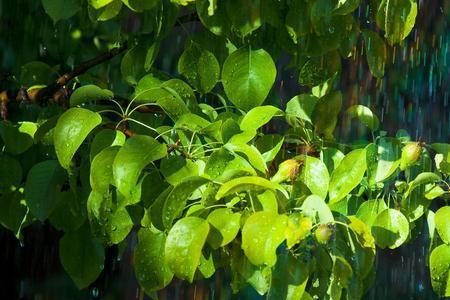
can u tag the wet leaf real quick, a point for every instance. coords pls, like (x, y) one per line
(390, 229)
(71, 130)
(262, 233)
(247, 77)
(184, 245)
(347, 175)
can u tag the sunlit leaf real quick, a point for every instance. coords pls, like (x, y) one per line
(71, 129)
(184, 245)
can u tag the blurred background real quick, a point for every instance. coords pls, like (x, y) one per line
(413, 95)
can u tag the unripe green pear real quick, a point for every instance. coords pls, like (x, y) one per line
(323, 233)
(410, 154)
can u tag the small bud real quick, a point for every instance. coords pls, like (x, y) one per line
(410, 154)
(287, 170)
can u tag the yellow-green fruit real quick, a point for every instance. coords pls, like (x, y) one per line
(288, 169)
(410, 154)
(323, 233)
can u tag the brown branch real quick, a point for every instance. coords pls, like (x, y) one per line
(48, 91)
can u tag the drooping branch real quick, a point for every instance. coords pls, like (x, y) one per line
(63, 80)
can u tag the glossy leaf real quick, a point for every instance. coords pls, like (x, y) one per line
(133, 156)
(89, 93)
(347, 175)
(246, 183)
(200, 67)
(262, 233)
(258, 116)
(150, 266)
(224, 226)
(364, 115)
(247, 77)
(184, 245)
(317, 210)
(314, 175)
(440, 270)
(441, 219)
(176, 200)
(390, 229)
(71, 129)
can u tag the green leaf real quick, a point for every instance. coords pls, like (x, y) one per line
(386, 160)
(200, 67)
(140, 5)
(150, 266)
(224, 227)
(61, 9)
(36, 73)
(132, 65)
(252, 154)
(300, 107)
(44, 182)
(262, 233)
(184, 245)
(110, 223)
(245, 183)
(213, 16)
(369, 210)
(364, 115)
(375, 52)
(101, 169)
(173, 96)
(99, 3)
(247, 77)
(106, 138)
(317, 210)
(176, 168)
(17, 139)
(347, 175)
(440, 270)
(137, 152)
(259, 116)
(72, 128)
(89, 93)
(269, 145)
(176, 200)
(289, 278)
(10, 174)
(81, 256)
(325, 113)
(421, 179)
(314, 175)
(245, 15)
(441, 219)
(390, 229)
(397, 18)
(106, 12)
(13, 211)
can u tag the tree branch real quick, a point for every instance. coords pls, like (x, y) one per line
(48, 91)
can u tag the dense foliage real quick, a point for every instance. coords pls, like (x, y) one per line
(191, 161)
